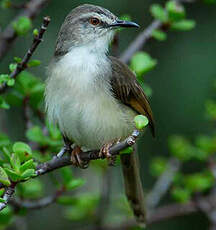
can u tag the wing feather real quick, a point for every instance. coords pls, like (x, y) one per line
(127, 89)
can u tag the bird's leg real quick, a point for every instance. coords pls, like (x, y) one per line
(66, 147)
(104, 152)
(76, 160)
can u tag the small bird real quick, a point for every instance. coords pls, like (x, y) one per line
(94, 97)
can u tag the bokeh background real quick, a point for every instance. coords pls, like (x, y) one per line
(181, 83)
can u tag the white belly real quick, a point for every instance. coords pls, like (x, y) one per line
(81, 102)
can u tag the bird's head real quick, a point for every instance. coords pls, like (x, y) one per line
(88, 24)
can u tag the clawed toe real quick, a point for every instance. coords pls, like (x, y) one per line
(76, 160)
(105, 153)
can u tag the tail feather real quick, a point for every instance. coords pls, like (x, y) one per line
(133, 186)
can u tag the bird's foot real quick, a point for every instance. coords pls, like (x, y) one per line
(76, 160)
(105, 153)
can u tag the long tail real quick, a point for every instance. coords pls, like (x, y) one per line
(133, 186)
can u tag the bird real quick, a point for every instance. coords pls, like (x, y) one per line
(93, 97)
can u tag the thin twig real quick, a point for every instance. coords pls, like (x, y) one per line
(143, 37)
(162, 213)
(37, 204)
(9, 191)
(23, 65)
(139, 41)
(8, 36)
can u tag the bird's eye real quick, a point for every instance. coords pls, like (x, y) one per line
(94, 21)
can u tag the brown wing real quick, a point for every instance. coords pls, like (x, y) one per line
(127, 89)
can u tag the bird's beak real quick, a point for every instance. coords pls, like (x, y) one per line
(122, 23)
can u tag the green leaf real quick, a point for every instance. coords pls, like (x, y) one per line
(17, 59)
(34, 63)
(158, 12)
(199, 182)
(22, 25)
(142, 62)
(15, 162)
(14, 176)
(141, 121)
(4, 78)
(23, 150)
(175, 11)
(75, 183)
(181, 195)
(12, 67)
(11, 82)
(35, 32)
(27, 165)
(6, 154)
(159, 35)
(4, 177)
(183, 25)
(28, 173)
(3, 103)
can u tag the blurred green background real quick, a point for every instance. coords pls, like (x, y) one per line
(181, 83)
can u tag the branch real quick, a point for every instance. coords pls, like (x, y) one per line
(8, 36)
(23, 65)
(139, 41)
(56, 162)
(37, 204)
(7, 195)
(163, 213)
(143, 37)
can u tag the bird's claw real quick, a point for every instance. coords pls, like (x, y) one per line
(76, 160)
(105, 153)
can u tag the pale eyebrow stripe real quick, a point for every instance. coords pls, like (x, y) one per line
(93, 14)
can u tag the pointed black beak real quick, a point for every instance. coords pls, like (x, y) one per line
(122, 23)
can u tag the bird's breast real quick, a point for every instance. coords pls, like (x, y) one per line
(80, 100)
